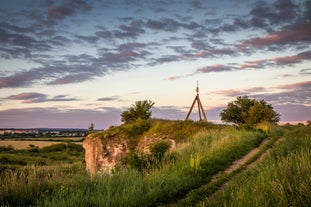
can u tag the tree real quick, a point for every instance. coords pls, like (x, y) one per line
(249, 111)
(141, 109)
(91, 128)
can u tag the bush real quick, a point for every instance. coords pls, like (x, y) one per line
(6, 160)
(135, 161)
(54, 148)
(75, 147)
(33, 148)
(158, 149)
(6, 148)
(137, 128)
(145, 162)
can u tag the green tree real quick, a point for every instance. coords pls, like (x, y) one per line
(141, 109)
(91, 128)
(249, 111)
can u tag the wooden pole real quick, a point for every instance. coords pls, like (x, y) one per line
(200, 106)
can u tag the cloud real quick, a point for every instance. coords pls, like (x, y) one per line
(293, 112)
(297, 86)
(215, 68)
(78, 68)
(20, 79)
(291, 35)
(51, 74)
(277, 61)
(110, 99)
(254, 64)
(264, 15)
(229, 92)
(59, 12)
(32, 97)
(28, 42)
(242, 92)
(125, 31)
(27, 96)
(56, 118)
(169, 112)
(306, 71)
(170, 25)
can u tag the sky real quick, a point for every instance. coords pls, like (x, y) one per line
(70, 63)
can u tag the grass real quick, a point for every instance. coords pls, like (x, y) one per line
(24, 186)
(202, 152)
(127, 187)
(56, 154)
(283, 178)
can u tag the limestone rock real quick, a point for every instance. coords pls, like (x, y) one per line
(103, 154)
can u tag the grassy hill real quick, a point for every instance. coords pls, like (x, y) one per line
(278, 174)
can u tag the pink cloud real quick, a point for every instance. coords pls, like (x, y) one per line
(300, 85)
(26, 96)
(294, 34)
(229, 92)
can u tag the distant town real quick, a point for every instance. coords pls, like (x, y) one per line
(42, 132)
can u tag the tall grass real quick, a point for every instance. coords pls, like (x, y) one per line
(23, 186)
(216, 149)
(283, 178)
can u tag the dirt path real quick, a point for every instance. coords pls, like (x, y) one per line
(248, 161)
(239, 163)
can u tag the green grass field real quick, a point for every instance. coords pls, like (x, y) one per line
(281, 178)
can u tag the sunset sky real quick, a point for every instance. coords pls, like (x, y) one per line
(71, 63)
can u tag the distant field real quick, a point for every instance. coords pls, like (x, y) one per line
(24, 144)
(56, 139)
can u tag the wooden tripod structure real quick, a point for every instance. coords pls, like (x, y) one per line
(200, 107)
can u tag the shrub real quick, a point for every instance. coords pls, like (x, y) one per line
(6, 148)
(33, 148)
(54, 148)
(6, 160)
(158, 149)
(135, 161)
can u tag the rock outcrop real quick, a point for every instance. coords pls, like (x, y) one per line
(102, 154)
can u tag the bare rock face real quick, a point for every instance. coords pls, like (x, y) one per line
(102, 155)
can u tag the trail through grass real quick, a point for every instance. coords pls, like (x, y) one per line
(282, 178)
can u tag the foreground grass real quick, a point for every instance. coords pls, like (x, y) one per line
(212, 151)
(283, 178)
(22, 187)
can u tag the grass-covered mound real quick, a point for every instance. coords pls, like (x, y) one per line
(134, 132)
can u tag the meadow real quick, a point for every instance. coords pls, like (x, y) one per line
(24, 143)
(182, 178)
